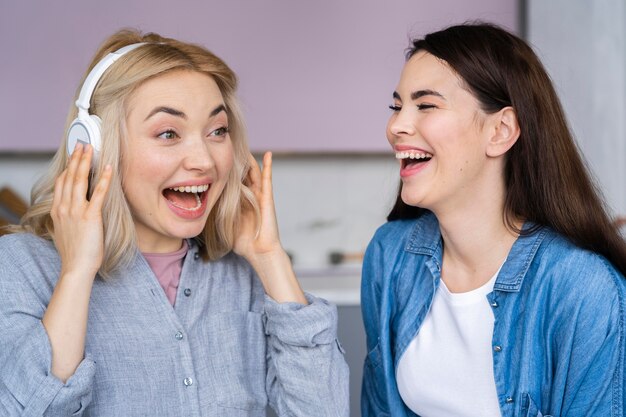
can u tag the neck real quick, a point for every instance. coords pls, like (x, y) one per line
(476, 241)
(159, 246)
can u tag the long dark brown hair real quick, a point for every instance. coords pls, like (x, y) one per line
(546, 179)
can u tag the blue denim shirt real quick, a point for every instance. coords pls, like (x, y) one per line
(225, 349)
(559, 333)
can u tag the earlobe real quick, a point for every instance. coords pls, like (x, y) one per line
(505, 134)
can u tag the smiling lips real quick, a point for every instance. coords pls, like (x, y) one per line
(412, 161)
(187, 201)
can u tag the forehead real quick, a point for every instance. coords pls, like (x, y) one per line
(181, 88)
(424, 71)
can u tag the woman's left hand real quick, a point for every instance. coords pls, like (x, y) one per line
(257, 240)
(260, 243)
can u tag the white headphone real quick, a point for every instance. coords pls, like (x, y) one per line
(86, 127)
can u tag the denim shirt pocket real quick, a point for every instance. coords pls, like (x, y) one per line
(237, 361)
(374, 382)
(530, 409)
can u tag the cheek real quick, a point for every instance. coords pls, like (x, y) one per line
(140, 172)
(225, 160)
(448, 136)
(437, 128)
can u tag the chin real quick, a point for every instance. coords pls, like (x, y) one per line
(187, 231)
(411, 199)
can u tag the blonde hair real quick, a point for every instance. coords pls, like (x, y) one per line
(159, 56)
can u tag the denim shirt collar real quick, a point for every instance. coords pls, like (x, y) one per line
(425, 239)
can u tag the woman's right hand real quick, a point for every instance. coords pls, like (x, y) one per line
(78, 227)
(79, 239)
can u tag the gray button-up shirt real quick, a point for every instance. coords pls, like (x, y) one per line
(225, 349)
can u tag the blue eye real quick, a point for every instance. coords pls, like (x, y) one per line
(168, 134)
(395, 107)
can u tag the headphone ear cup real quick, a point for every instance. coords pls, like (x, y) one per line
(85, 130)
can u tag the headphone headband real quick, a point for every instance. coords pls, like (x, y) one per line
(86, 127)
(92, 79)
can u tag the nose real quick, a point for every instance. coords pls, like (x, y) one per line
(198, 155)
(401, 123)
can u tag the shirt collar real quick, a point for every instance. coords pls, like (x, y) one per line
(520, 257)
(425, 239)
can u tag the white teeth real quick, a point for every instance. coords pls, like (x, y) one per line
(413, 155)
(191, 188)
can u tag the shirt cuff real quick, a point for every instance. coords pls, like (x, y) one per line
(29, 378)
(301, 325)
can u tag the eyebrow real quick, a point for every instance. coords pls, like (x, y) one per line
(167, 110)
(218, 110)
(178, 113)
(420, 93)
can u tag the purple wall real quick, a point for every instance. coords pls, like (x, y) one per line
(316, 76)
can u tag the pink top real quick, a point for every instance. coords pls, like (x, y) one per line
(167, 268)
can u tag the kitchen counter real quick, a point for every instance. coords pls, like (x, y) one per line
(338, 284)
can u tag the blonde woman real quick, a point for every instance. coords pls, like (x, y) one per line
(148, 277)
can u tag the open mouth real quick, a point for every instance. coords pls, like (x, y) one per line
(188, 198)
(413, 158)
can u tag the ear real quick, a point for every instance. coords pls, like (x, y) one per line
(505, 132)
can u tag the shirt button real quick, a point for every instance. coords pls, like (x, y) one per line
(187, 292)
(196, 256)
(494, 304)
(509, 400)
(188, 382)
(497, 348)
(178, 336)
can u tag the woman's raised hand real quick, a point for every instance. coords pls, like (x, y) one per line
(249, 243)
(79, 239)
(78, 228)
(260, 243)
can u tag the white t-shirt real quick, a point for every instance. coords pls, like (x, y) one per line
(447, 369)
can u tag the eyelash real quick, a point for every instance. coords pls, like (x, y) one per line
(396, 108)
(166, 132)
(223, 131)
